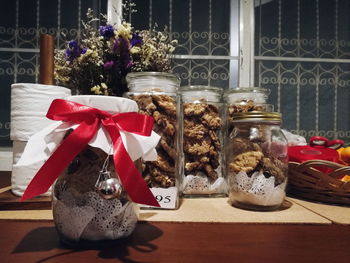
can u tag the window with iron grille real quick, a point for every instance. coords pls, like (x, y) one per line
(302, 53)
(202, 28)
(207, 32)
(301, 50)
(21, 23)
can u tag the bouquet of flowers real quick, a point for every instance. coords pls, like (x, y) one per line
(99, 62)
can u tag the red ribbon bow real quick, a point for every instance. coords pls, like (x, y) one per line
(89, 120)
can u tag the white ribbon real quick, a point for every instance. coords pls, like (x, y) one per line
(43, 143)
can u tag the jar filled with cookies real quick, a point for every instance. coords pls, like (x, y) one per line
(202, 126)
(156, 96)
(257, 161)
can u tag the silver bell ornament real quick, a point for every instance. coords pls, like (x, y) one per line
(107, 186)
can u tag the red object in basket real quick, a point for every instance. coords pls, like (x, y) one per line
(320, 148)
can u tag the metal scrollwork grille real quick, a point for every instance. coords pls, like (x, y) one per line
(302, 54)
(21, 23)
(202, 28)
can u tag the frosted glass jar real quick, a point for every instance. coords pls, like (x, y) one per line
(80, 214)
(201, 140)
(257, 161)
(84, 208)
(245, 99)
(156, 95)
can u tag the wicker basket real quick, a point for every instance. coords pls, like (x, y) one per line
(307, 182)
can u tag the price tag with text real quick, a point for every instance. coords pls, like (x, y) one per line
(166, 197)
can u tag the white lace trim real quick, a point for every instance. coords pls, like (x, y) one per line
(257, 189)
(93, 218)
(200, 184)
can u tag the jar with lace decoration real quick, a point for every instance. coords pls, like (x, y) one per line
(257, 161)
(89, 201)
(202, 141)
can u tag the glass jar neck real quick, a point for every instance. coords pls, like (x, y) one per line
(238, 97)
(197, 94)
(257, 95)
(152, 82)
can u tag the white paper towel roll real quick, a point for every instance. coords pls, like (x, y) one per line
(21, 177)
(17, 150)
(29, 105)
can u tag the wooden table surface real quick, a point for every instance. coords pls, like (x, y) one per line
(37, 241)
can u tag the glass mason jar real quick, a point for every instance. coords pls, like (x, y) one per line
(257, 161)
(88, 202)
(202, 126)
(245, 100)
(156, 95)
(80, 213)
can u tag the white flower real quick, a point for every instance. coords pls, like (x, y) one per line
(135, 50)
(125, 31)
(104, 85)
(101, 89)
(96, 90)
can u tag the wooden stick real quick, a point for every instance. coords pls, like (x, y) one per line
(46, 59)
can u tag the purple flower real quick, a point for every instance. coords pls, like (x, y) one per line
(108, 65)
(121, 49)
(135, 40)
(121, 45)
(107, 31)
(74, 51)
